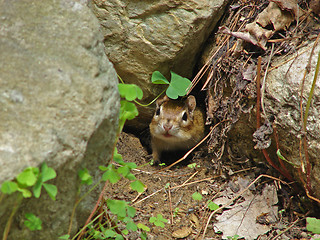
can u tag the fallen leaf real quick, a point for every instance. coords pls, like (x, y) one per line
(182, 232)
(289, 5)
(273, 15)
(240, 219)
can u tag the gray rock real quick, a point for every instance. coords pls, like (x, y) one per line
(59, 105)
(283, 101)
(144, 36)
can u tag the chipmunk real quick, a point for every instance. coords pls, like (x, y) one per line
(175, 126)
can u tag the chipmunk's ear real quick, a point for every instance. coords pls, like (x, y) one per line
(191, 103)
(160, 101)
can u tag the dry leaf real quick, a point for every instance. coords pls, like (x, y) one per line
(241, 217)
(182, 232)
(273, 15)
(193, 218)
(289, 5)
(242, 35)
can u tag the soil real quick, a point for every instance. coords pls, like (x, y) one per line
(169, 193)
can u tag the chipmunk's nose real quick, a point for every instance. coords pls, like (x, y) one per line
(167, 126)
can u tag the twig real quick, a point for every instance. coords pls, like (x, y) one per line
(288, 228)
(170, 204)
(179, 186)
(148, 196)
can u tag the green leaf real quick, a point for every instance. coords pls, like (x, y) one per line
(27, 177)
(131, 165)
(192, 165)
(111, 175)
(9, 187)
(130, 91)
(32, 222)
(119, 237)
(124, 170)
(85, 176)
(143, 236)
(51, 190)
(212, 206)
(25, 192)
(103, 168)
(158, 78)
(131, 177)
(117, 157)
(125, 231)
(109, 233)
(117, 207)
(143, 227)
(47, 173)
(64, 237)
(131, 211)
(178, 86)
(131, 226)
(158, 221)
(313, 225)
(137, 186)
(197, 196)
(37, 188)
(128, 110)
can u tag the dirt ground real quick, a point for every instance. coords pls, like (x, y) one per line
(169, 193)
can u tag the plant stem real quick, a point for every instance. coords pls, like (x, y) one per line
(13, 212)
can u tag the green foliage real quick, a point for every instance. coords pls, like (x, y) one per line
(45, 175)
(85, 176)
(143, 227)
(28, 177)
(130, 91)
(178, 86)
(284, 159)
(137, 186)
(192, 165)
(234, 237)
(9, 187)
(120, 208)
(212, 206)
(197, 196)
(128, 110)
(158, 221)
(176, 211)
(32, 177)
(313, 225)
(32, 222)
(65, 237)
(114, 174)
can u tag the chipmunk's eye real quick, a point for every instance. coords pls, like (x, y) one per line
(184, 116)
(158, 111)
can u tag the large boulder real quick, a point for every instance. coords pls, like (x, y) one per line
(59, 105)
(144, 36)
(283, 87)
